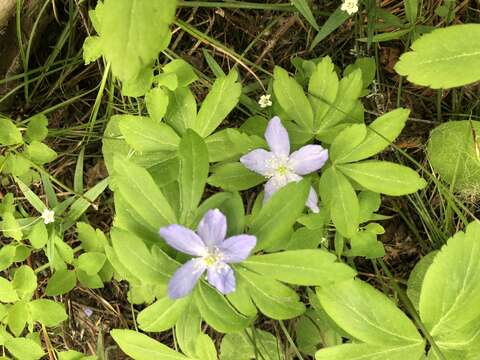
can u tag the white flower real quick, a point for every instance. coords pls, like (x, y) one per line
(48, 216)
(265, 101)
(350, 6)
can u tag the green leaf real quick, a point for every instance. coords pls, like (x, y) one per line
(322, 88)
(135, 256)
(304, 8)
(140, 191)
(147, 135)
(272, 298)
(340, 197)
(25, 282)
(279, 213)
(47, 312)
(7, 292)
(91, 262)
(132, 33)
(371, 352)
(301, 267)
(91, 239)
(205, 348)
(221, 99)
(234, 177)
(411, 10)
(7, 256)
(367, 314)
(384, 177)
(239, 346)
(24, 349)
(453, 153)
(183, 70)
(182, 110)
(18, 315)
(217, 311)
(345, 142)
(451, 287)
(157, 103)
(415, 280)
(32, 198)
(61, 282)
(439, 58)
(141, 347)
(162, 314)
(194, 168)
(292, 99)
(9, 134)
(37, 127)
(92, 49)
(187, 328)
(380, 134)
(40, 153)
(333, 22)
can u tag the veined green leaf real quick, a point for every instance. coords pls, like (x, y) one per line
(162, 314)
(440, 59)
(234, 177)
(372, 352)
(9, 134)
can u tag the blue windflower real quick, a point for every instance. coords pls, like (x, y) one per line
(281, 167)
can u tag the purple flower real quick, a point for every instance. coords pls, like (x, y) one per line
(212, 253)
(281, 167)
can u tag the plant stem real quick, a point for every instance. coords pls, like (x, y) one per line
(290, 340)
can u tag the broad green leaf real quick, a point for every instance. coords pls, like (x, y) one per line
(241, 298)
(239, 346)
(91, 239)
(340, 197)
(182, 109)
(24, 349)
(9, 134)
(372, 352)
(32, 198)
(187, 328)
(304, 8)
(157, 103)
(384, 177)
(411, 10)
(380, 134)
(25, 282)
(92, 49)
(141, 347)
(292, 99)
(217, 311)
(135, 256)
(61, 282)
(368, 67)
(315, 329)
(322, 88)
(91, 262)
(337, 18)
(272, 298)
(301, 267)
(183, 70)
(369, 202)
(234, 177)
(194, 168)
(367, 314)
(453, 151)
(7, 292)
(148, 135)
(40, 153)
(230, 144)
(132, 33)
(439, 59)
(140, 191)
(345, 142)
(37, 127)
(7, 256)
(451, 287)
(415, 280)
(11, 227)
(18, 315)
(221, 99)
(279, 213)
(205, 348)
(162, 314)
(47, 312)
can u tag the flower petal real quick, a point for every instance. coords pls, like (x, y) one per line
(183, 239)
(185, 278)
(277, 182)
(277, 137)
(308, 159)
(312, 201)
(237, 248)
(222, 277)
(259, 161)
(213, 227)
